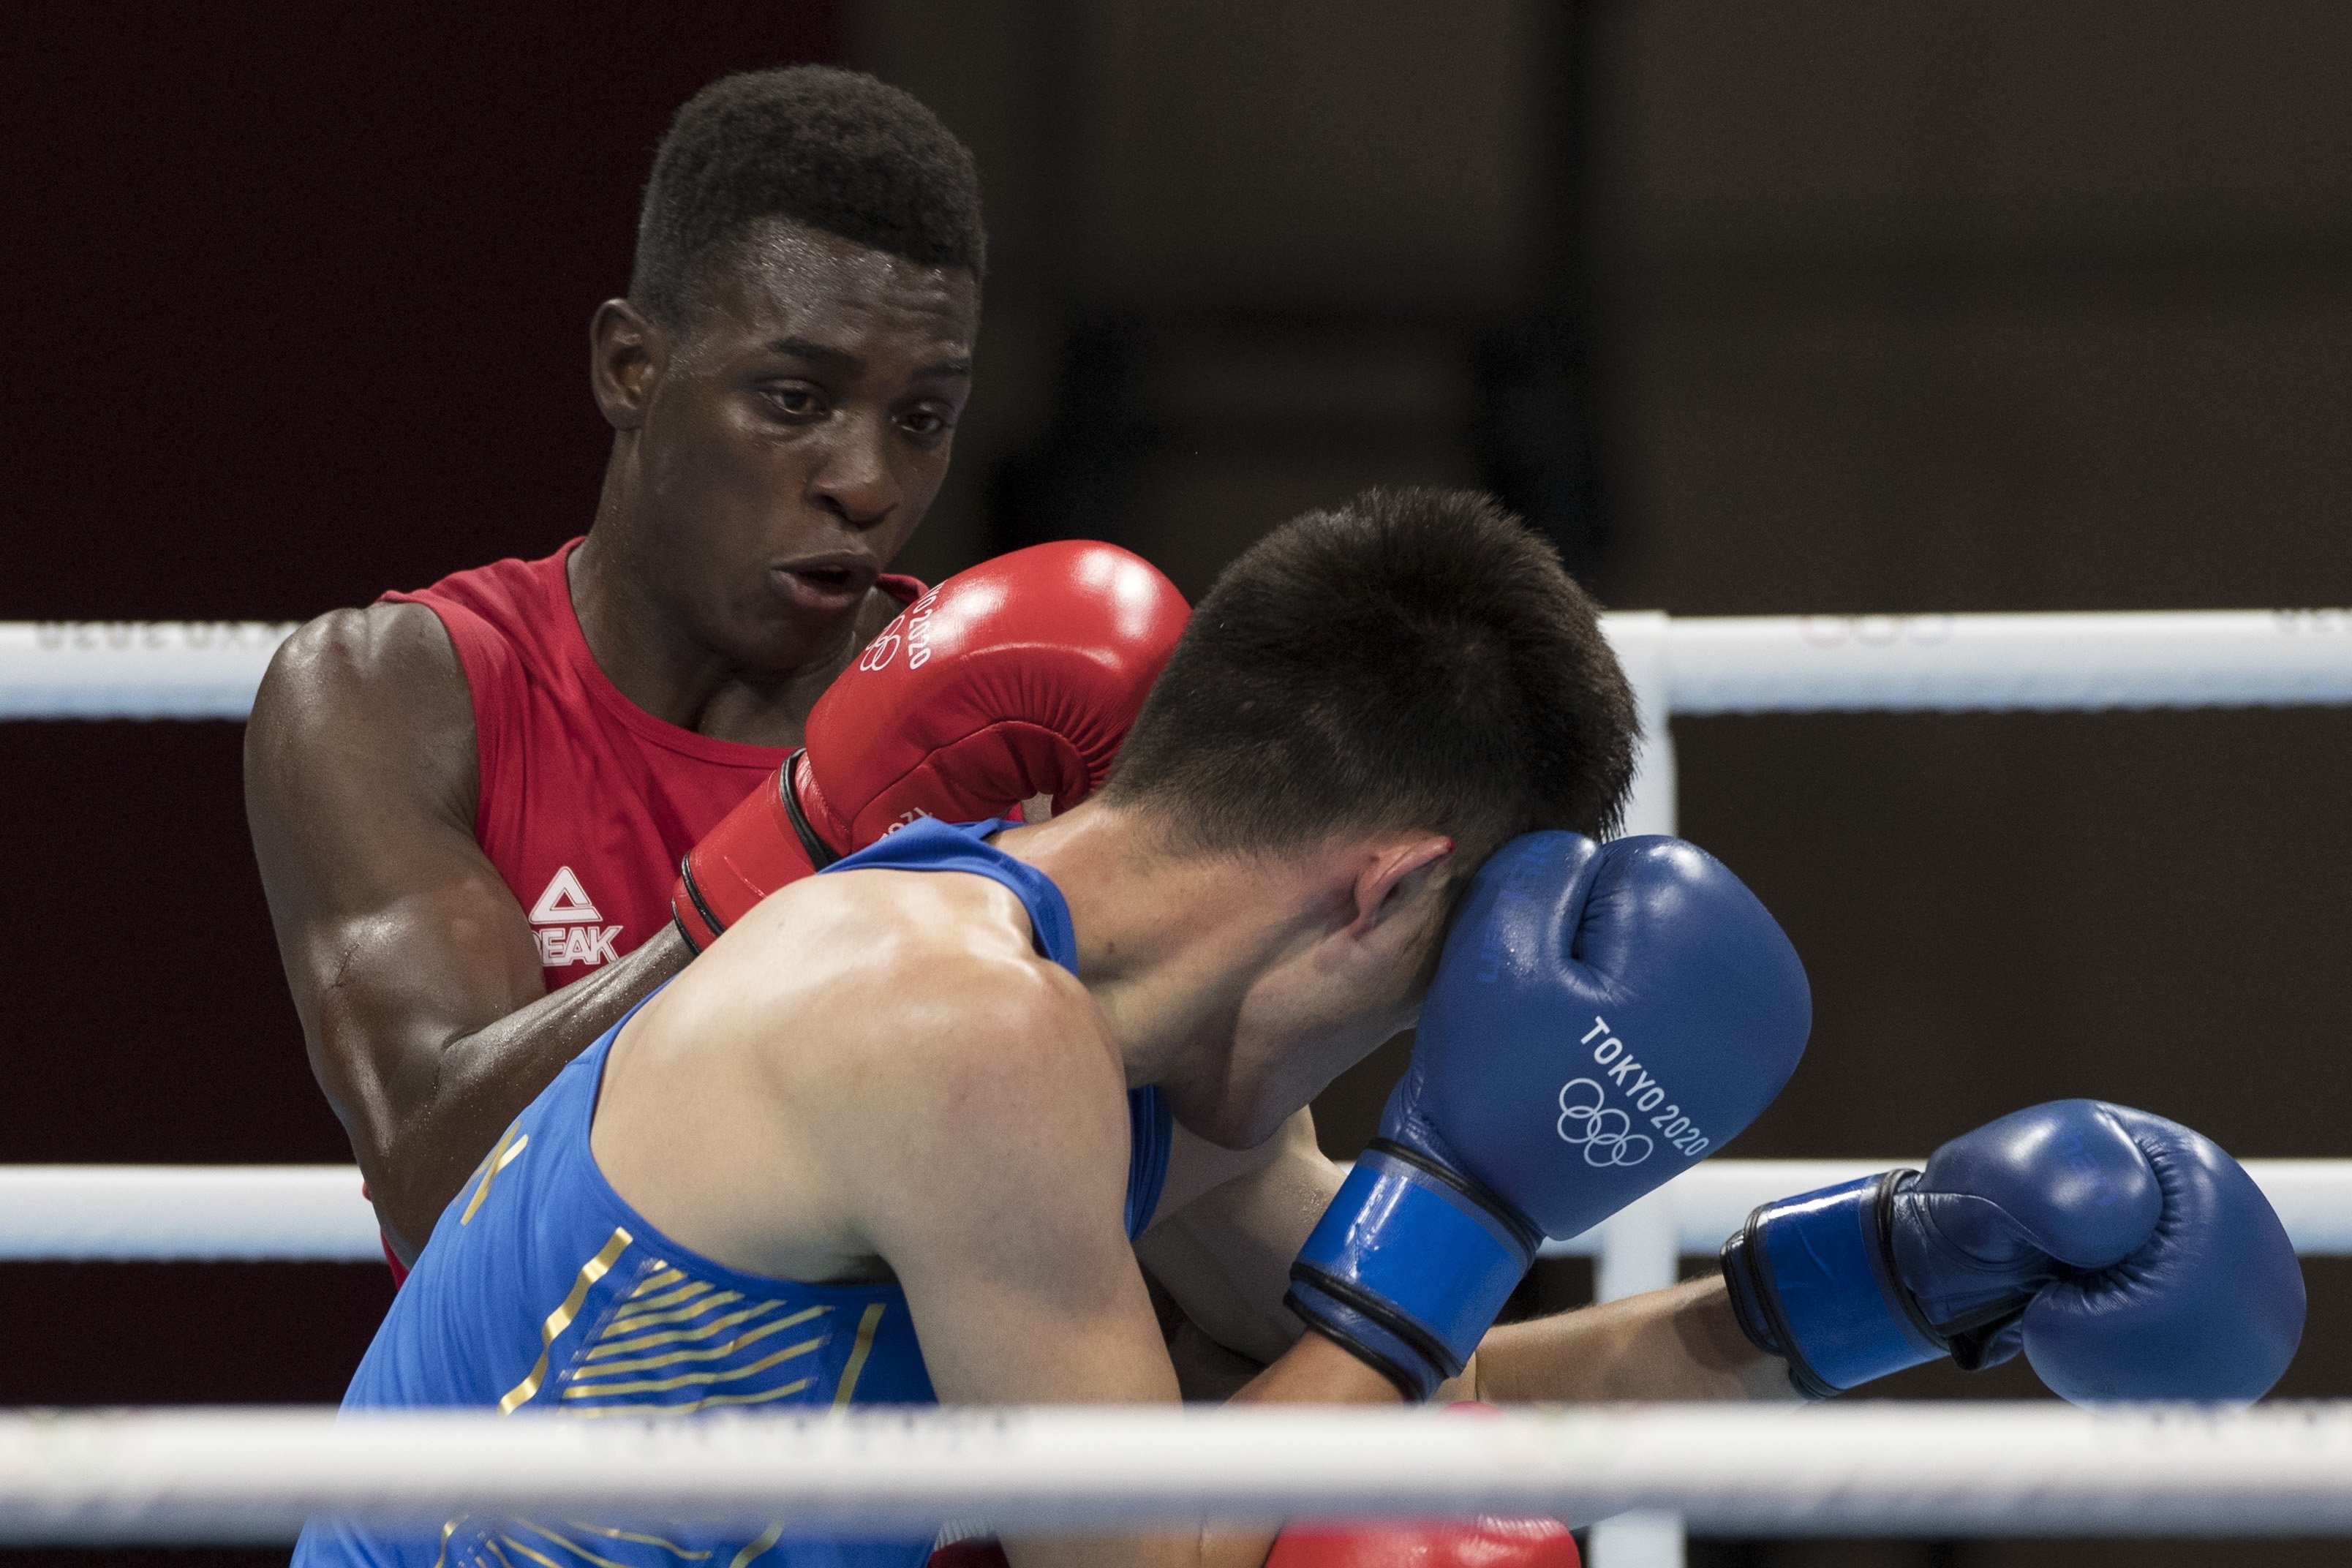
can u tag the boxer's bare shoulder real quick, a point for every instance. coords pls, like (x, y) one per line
(860, 1061)
(389, 662)
(374, 694)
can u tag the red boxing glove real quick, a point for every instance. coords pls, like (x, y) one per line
(1441, 1543)
(1484, 1543)
(1018, 678)
(981, 1551)
(1481, 1543)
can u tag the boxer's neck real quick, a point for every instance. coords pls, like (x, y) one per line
(1173, 947)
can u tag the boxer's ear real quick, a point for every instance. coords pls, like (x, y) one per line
(625, 353)
(1398, 877)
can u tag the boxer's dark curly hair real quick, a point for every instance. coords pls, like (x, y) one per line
(1416, 659)
(835, 150)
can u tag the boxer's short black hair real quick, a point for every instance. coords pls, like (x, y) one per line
(1416, 659)
(834, 150)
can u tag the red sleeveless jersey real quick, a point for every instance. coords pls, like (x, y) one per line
(587, 800)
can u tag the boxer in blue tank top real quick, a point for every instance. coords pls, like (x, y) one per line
(1363, 796)
(542, 1289)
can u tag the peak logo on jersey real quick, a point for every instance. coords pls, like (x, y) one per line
(568, 927)
(565, 902)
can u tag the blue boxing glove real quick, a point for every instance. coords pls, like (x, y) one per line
(1603, 1016)
(2129, 1256)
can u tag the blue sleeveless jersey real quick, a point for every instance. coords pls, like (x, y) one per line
(541, 1289)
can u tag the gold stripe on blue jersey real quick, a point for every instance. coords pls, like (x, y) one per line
(759, 1544)
(872, 1319)
(508, 1149)
(711, 1402)
(701, 1377)
(704, 1353)
(561, 1319)
(636, 1308)
(647, 1319)
(711, 1330)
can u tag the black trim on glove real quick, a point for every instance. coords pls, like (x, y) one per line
(1756, 1303)
(819, 853)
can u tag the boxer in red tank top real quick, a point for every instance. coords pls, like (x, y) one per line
(468, 804)
(586, 801)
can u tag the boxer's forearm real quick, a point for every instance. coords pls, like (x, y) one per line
(443, 1126)
(1318, 1371)
(1676, 1344)
(1680, 1343)
(1314, 1371)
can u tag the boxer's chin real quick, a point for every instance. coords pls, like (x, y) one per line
(780, 636)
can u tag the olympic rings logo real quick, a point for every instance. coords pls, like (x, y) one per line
(1607, 1136)
(910, 628)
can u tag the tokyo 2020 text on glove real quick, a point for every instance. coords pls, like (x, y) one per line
(1602, 1016)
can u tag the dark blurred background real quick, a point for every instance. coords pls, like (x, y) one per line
(1826, 305)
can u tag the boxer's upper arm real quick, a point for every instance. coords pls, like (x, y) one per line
(992, 1177)
(396, 932)
(1225, 1237)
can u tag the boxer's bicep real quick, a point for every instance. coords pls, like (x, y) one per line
(1224, 1253)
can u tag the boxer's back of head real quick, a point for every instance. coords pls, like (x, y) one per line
(1415, 658)
(833, 149)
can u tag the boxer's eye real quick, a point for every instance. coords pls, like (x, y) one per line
(794, 399)
(924, 424)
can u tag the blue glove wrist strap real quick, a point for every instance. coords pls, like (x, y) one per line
(1812, 1281)
(1408, 1266)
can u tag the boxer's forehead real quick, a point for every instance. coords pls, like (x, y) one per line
(789, 283)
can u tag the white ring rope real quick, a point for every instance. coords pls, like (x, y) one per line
(134, 670)
(315, 1213)
(1885, 1470)
(1749, 664)
(1767, 663)
(185, 1213)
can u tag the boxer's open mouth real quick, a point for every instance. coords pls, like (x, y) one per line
(825, 582)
